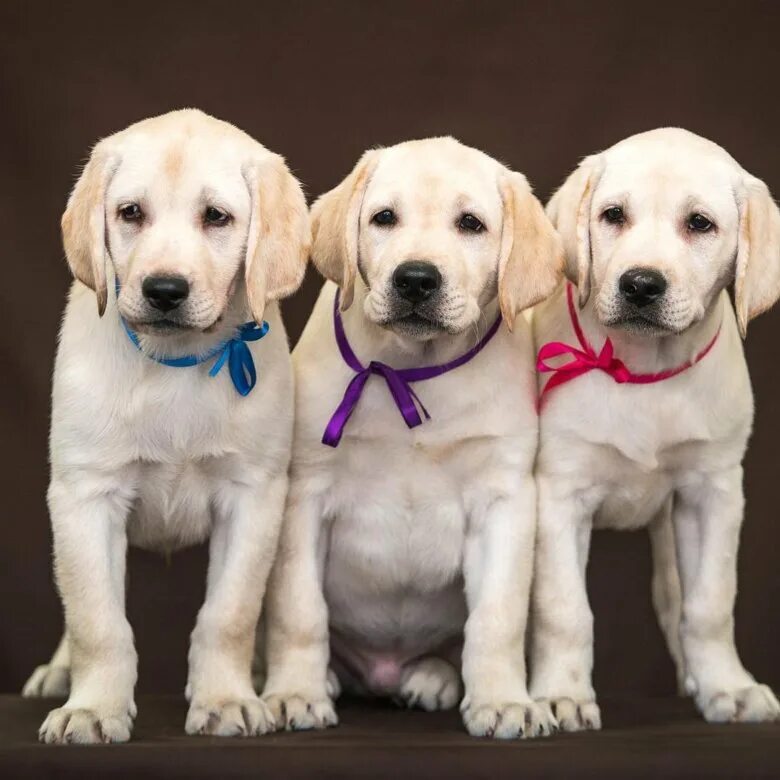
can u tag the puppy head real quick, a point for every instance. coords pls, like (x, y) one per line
(436, 230)
(185, 205)
(656, 226)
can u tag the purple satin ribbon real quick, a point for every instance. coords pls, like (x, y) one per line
(397, 380)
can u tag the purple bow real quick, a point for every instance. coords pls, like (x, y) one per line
(397, 380)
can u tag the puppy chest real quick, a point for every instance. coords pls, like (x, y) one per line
(173, 507)
(633, 493)
(176, 426)
(397, 525)
(633, 502)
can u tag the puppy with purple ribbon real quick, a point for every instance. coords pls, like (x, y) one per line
(406, 553)
(172, 409)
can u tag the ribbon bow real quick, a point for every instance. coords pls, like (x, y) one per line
(397, 381)
(239, 357)
(585, 359)
(233, 351)
(405, 399)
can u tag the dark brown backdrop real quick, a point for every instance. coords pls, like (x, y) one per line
(538, 85)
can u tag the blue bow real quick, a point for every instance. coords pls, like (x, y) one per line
(233, 351)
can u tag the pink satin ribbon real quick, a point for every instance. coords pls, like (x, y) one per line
(586, 359)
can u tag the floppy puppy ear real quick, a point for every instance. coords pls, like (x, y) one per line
(336, 227)
(531, 261)
(279, 237)
(84, 223)
(757, 276)
(569, 210)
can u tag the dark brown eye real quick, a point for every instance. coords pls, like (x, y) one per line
(614, 215)
(699, 223)
(131, 212)
(215, 216)
(385, 217)
(470, 223)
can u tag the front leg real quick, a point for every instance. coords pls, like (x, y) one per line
(88, 513)
(497, 568)
(707, 520)
(562, 636)
(243, 542)
(297, 650)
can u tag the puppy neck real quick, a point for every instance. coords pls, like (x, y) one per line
(370, 341)
(653, 354)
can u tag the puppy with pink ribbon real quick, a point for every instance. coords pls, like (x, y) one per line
(646, 407)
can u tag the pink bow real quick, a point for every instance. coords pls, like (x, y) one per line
(581, 362)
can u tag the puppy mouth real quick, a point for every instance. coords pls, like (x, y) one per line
(415, 319)
(171, 326)
(161, 326)
(415, 323)
(641, 324)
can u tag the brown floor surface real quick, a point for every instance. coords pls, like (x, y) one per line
(642, 738)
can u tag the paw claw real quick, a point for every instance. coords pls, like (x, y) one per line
(71, 725)
(301, 713)
(570, 714)
(512, 720)
(243, 717)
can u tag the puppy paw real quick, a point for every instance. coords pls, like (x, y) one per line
(245, 717)
(301, 713)
(430, 684)
(753, 704)
(573, 714)
(510, 720)
(48, 681)
(72, 725)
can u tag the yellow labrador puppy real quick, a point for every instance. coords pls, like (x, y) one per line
(647, 421)
(401, 529)
(172, 408)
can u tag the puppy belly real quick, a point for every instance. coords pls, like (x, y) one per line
(393, 579)
(372, 642)
(365, 671)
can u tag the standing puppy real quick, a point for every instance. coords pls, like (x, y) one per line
(647, 421)
(171, 418)
(401, 528)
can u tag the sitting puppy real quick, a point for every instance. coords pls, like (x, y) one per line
(171, 419)
(647, 421)
(400, 528)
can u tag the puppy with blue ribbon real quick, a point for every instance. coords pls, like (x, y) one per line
(186, 231)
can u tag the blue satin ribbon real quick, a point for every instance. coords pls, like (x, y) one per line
(232, 351)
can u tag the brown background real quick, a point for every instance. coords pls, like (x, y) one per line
(537, 85)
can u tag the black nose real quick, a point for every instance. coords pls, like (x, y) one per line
(165, 292)
(416, 280)
(642, 286)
